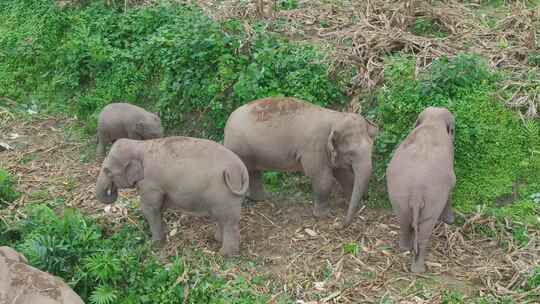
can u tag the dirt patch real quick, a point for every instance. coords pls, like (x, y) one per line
(308, 258)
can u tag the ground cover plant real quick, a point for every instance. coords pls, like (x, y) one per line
(118, 267)
(195, 64)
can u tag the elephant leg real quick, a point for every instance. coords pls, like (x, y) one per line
(218, 236)
(345, 178)
(231, 239)
(419, 258)
(227, 216)
(322, 187)
(101, 141)
(405, 229)
(256, 186)
(322, 180)
(151, 205)
(447, 215)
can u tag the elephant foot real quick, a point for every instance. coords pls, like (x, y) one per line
(405, 245)
(448, 218)
(230, 254)
(218, 236)
(158, 244)
(321, 211)
(418, 267)
(258, 197)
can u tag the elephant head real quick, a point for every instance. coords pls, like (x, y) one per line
(122, 168)
(349, 146)
(149, 127)
(437, 116)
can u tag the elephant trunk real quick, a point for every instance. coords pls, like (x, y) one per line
(106, 190)
(362, 173)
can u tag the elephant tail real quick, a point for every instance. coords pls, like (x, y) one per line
(244, 182)
(416, 203)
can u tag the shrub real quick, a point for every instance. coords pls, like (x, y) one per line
(168, 57)
(7, 193)
(121, 267)
(493, 149)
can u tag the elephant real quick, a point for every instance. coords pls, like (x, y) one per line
(420, 178)
(124, 120)
(291, 135)
(196, 176)
(23, 284)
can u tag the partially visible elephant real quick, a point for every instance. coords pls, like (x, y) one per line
(21, 283)
(420, 179)
(124, 120)
(290, 135)
(197, 176)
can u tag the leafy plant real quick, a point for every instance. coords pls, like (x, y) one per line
(103, 295)
(287, 4)
(452, 297)
(490, 140)
(427, 27)
(7, 192)
(168, 57)
(351, 248)
(121, 267)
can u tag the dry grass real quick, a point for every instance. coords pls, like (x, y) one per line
(301, 256)
(363, 33)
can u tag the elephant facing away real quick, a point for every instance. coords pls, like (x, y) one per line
(197, 176)
(21, 283)
(290, 135)
(124, 120)
(420, 179)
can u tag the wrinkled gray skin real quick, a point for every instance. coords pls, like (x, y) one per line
(124, 120)
(197, 176)
(420, 178)
(21, 283)
(290, 135)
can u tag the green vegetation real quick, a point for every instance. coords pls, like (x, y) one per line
(427, 27)
(168, 57)
(494, 149)
(7, 193)
(119, 267)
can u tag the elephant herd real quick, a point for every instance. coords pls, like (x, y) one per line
(204, 178)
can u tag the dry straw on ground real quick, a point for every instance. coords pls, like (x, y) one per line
(301, 256)
(363, 33)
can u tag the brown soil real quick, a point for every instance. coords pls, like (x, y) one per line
(298, 254)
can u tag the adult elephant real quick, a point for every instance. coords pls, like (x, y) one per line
(291, 135)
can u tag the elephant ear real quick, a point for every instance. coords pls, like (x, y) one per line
(134, 171)
(331, 149)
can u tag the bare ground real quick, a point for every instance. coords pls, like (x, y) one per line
(297, 255)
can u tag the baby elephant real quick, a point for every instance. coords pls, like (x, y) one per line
(420, 178)
(124, 120)
(287, 134)
(21, 283)
(197, 176)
